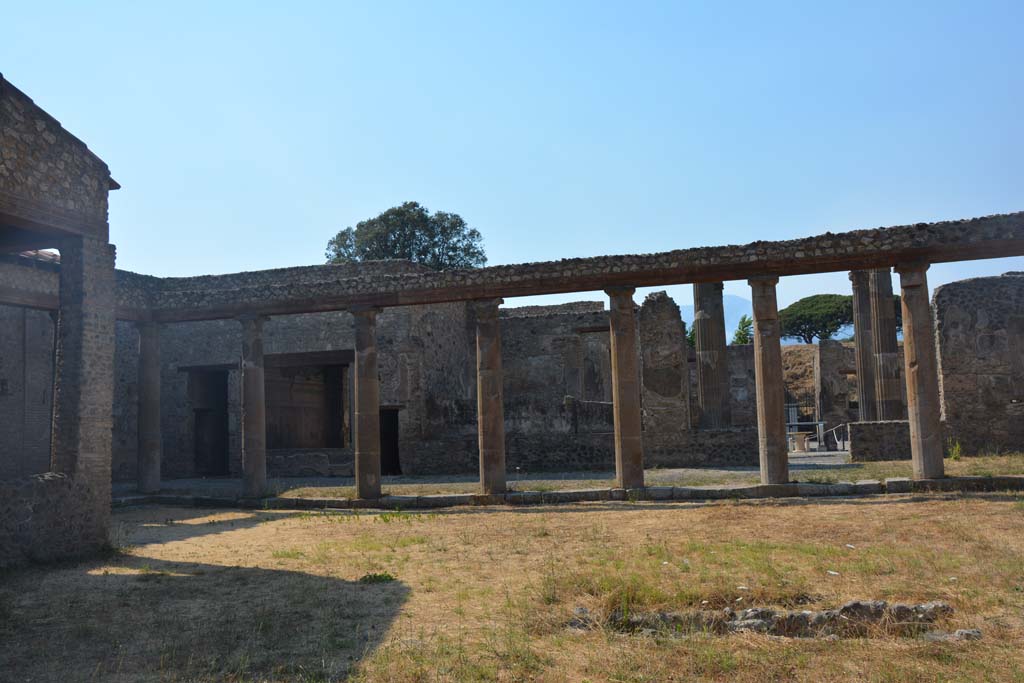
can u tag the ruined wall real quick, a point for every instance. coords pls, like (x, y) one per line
(833, 364)
(798, 369)
(49, 516)
(664, 370)
(980, 337)
(880, 440)
(740, 358)
(544, 356)
(742, 385)
(47, 174)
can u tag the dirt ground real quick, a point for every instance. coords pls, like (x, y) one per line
(480, 594)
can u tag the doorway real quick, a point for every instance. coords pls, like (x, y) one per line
(208, 391)
(389, 462)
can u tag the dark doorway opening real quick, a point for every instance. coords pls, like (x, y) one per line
(208, 391)
(389, 463)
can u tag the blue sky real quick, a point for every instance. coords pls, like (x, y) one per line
(246, 134)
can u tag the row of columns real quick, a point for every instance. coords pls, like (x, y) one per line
(919, 351)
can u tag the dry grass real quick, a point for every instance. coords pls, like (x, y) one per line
(417, 486)
(482, 594)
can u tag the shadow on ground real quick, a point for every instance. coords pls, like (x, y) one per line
(179, 524)
(139, 619)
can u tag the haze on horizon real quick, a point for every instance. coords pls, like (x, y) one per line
(245, 136)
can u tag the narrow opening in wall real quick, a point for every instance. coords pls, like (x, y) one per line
(208, 391)
(390, 464)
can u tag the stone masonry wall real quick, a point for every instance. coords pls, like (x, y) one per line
(50, 516)
(980, 337)
(425, 367)
(742, 385)
(44, 170)
(833, 363)
(880, 440)
(859, 248)
(664, 370)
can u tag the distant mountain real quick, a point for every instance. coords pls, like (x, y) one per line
(735, 308)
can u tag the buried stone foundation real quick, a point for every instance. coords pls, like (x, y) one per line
(855, 619)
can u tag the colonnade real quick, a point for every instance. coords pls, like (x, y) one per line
(875, 330)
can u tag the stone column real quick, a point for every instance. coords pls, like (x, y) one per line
(150, 441)
(490, 410)
(254, 409)
(367, 405)
(888, 390)
(771, 418)
(922, 372)
(84, 389)
(629, 448)
(863, 341)
(713, 395)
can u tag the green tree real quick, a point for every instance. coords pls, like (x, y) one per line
(691, 337)
(821, 316)
(439, 240)
(744, 330)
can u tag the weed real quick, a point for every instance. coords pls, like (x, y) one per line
(953, 449)
(380, 577)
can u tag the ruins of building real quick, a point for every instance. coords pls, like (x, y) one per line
(284, 363)
(980, 330)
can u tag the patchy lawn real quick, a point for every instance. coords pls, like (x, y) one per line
(478, 594)
(824, 473)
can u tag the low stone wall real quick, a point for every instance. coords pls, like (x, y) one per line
(703, 448)
(553, 451)
(866, 487)
(881, 440)
(48, 517)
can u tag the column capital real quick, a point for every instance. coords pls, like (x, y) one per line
(486, 308)
(859, 278)
(912, 273)
(762, 280)
(620, 291)
(146, 325)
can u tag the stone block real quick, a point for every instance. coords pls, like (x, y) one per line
(685, 493)
(898, 485)
(867, 486)
(443, 501)
(928, 485)
(399, 502)
(488, 498)
(523, 498)
(659, 493)
(842, 488)
(781, 490)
